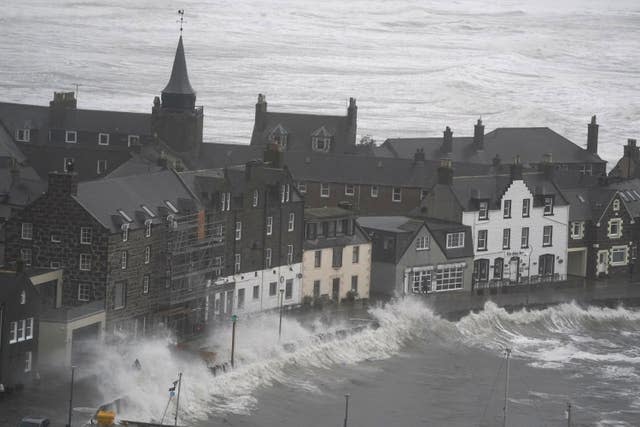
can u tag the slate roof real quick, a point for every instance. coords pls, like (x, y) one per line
(528, 143)
(8, 148)
(439, 230)
(316, 214)
(629, 191)
(11, 283)
(179, 80)
(216, 155)
(319, 214)
(103, 198)
(20, 190)
(392, 224)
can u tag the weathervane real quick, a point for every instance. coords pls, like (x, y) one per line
(181, 13)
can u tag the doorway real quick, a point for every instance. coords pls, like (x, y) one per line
(514, 269)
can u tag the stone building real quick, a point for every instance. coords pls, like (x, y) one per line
(628, 167)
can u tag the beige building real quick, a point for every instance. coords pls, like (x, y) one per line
(336, 263)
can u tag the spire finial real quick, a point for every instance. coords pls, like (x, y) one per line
(181, 13)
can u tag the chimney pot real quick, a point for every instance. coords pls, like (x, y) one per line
(592, 136)
(445, 172)
(478, 135)
(447, 142)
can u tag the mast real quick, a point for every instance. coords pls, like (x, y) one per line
(507, 352)
(178, 398)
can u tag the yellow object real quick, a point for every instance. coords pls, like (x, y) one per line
(105, 418)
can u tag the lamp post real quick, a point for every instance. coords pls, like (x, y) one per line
(73, 369)
(234, 319)
(346, 409)
(281, 306)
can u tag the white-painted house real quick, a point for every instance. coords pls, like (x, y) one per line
(519, 222)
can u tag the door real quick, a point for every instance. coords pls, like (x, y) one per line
(602, 264)
(229, 302)
(546, 265)
(335, 291)
(481, 270)
(514, 270)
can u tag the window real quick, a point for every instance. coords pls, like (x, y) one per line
(302, 187)
(240, 298)
(316, 288)
(84, 292)
(455, 240)
(13, 332)
(25, 255)
(349, 189)
(614, 230)
(148, 211)
(85, 262)
(269, 226)
(374, 191)
(526, 207)
(68, 161)
(616, 205)
(292, 221)
(147, 228)
(101, 167)
(236, 268)
(337, 257)
(28, 328)
(147, 254)
(23, 298)
(506, 209)
(285, 193)
(119, 295)
(324, 190)
(23, 135)
(577, 230)
(449, 277)
(619, 255)
(421, 283)
(483, 210)
(506, 238)
(145, 284)
(317, 262)
(225, 201)
(482, 240)
(27, 231)
(55, 238)
(524, 238)
(103, 139)
(256, 196)
(218, 264)
(355, 256)
(546, 264)
(548, 205)
(267, 258)
(321, 143)
(273, 289)
(423, 194)
(133, 140)
(498, 268)
(123, 260)
(547, 235)
(238, 230)
(125, 232)
(70, 137)
(256, 292)
(354, 284)
(86, 235)
(586, 169)
(396, 195)
(422, 243)
(27, 362)
(289, 254)
(288, 289)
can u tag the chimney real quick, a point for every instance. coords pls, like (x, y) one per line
(162, 160)
(592, 136)
(62, 103)
(516, 169)
(547, 165)
(631, 150)
(445, 172)
(273, 155)
(478, 136)
(352, 118)
(249, 168)
(447, 142)
(14, 170)
(62, 184)
(261, 112)
(418, 156)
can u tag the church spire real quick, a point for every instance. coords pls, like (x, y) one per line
(178, 94)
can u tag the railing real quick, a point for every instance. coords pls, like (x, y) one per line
(503, 283)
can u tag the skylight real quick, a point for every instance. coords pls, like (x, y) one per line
(631, 196)
(148, 211)
(581, 198)
(124, 215)
(636, 193)
(624, 196)
(171, 206)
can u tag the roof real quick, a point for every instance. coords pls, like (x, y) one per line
(8, 148)
(439, 230)
(215, 155)
(630, 194)
(326, 213)
(392, 224)
(10, 282)
(104, 198)
(529, 143)
(179, 80)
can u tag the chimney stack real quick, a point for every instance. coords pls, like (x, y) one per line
(273, 156)
(62, 103)
(592, 136)
(445, 172)
(62, 184)
(352, 118)
(478, 136)
(631, 149)
(261, 112)
(418, 156)
(516, 169)
(447, 142)
(547, 165)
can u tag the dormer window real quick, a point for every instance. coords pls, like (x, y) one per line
(133, 140)
(171, 206)
(23, 135)
(279, 136)
(70, 137)
(321, 140)
(548, 205)
(103, 139)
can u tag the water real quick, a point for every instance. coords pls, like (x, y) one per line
(414, 66)
(415, 369)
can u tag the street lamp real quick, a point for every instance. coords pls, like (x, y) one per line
(281, 305)
(234, 319)
(73, 369)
